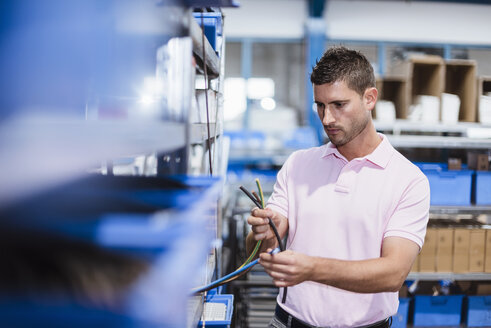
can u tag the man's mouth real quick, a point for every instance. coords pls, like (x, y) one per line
(333, 130)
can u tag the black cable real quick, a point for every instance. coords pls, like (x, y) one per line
(273, 227)
(208, 141)
(271, 224)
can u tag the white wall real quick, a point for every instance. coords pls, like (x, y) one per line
(436, 22)
(409, 21)
(266, 19)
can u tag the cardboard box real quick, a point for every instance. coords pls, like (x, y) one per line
(476, 250)
(461, 250)
(444, 251)
(482, 162)
(460, 77)
(427, 261)
(396, 90)
(425, 75)
(454, 164)
(487, 255)
(483, 288)
(477, 161)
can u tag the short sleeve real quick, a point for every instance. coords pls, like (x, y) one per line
(279, 198)
(411, 214)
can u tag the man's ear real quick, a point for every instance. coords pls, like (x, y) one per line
(370, 98)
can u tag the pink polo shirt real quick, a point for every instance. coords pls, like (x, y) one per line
(344, 210)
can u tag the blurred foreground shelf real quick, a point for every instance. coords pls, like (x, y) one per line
(109, 250)
(37, 154)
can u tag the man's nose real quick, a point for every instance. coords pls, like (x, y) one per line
(328, 119)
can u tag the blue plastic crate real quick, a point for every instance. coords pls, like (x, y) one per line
(437, 311)
(479, 313)
(448, 187)
(213, 27)
(399, 320)
(483, 188)
(228, 300)
(302, 137)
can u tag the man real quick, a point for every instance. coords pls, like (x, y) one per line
(355, 211)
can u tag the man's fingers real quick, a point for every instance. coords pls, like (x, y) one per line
(253, 211)
(283, 258)
(263, 213)
(253, 220)
(259, 229)
(278, 275)
(278, 268)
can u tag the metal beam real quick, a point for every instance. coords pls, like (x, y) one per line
(315, 37)
(246, 72)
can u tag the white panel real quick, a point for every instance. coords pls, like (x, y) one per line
(266, 19)
(409, 21)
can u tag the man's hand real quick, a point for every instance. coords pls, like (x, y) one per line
(262, 231)
(287, 268)
(260, 224)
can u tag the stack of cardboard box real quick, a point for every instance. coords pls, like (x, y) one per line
(455, 249)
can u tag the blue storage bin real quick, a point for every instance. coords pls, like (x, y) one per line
(213, 27)
(483, 188)
(399, 320)
(228, 300)
(448, 187)
(479, 313)
(302, 137)
(437, 311)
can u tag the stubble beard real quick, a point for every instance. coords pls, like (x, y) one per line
(357, 126)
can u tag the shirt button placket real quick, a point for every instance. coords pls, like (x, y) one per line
(342, 182)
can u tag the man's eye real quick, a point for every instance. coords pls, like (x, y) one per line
(339, 105)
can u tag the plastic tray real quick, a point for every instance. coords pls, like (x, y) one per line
(483, 188)
(437, 311)
(448, 187)
(228, 300)
(479, 311)
(399, 320)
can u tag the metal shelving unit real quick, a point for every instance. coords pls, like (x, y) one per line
(473, 209)
(432, 276)
(49, 157)
(411, 141)
(471, 135)
(199, 132)
(65, 149)
(463, 135)
(408, 126)
(205, 135)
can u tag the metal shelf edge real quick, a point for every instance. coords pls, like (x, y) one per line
(411, 141)
(448, 276)
(199, 132)
(212, 61)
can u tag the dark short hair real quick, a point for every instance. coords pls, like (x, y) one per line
(342, 64)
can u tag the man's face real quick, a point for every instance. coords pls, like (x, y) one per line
(342, 111)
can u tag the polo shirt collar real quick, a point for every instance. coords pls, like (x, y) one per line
(380, 156)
